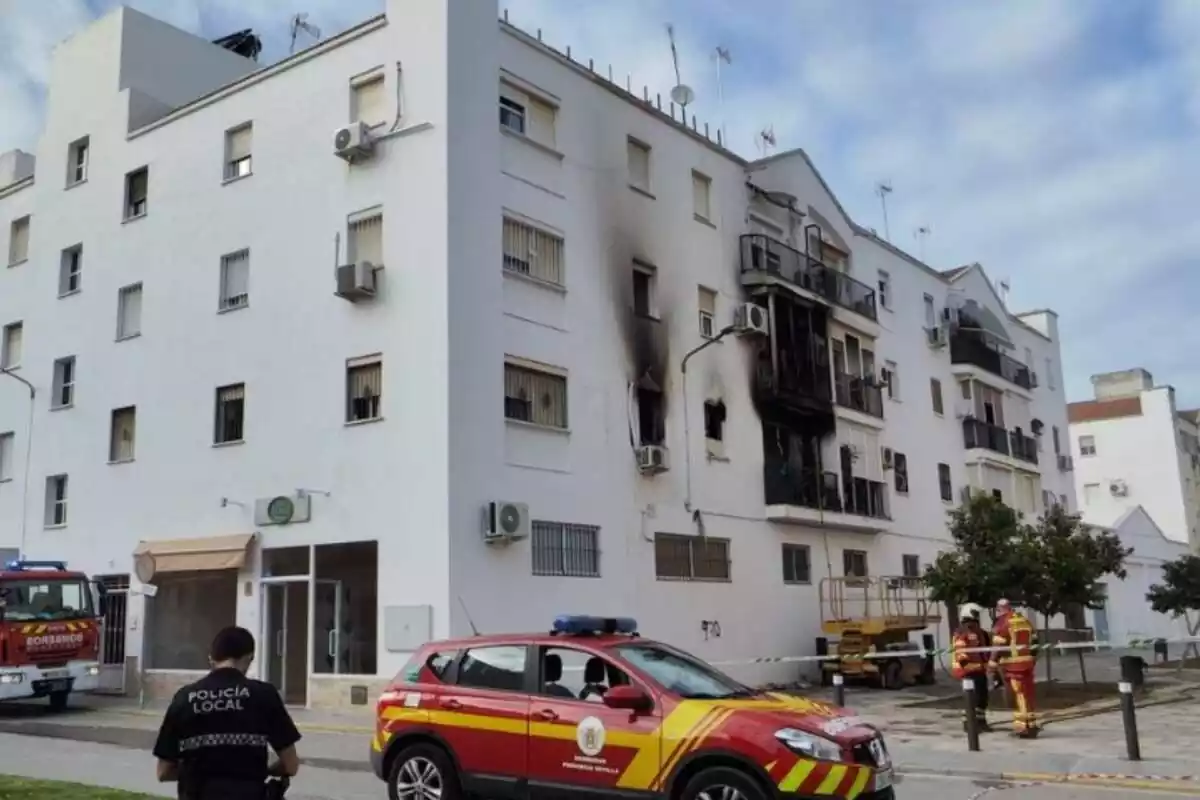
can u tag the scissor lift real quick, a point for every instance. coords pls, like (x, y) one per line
(875, 615)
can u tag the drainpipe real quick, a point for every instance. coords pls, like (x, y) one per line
(28, 453)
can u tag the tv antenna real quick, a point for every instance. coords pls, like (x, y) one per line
(883, 189)
(682, 94)
(766, 139)
(1004, 289)
(300, 23)
(722, 54)
(921, 234)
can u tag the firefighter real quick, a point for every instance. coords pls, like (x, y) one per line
(972, 666)
(1016, 663)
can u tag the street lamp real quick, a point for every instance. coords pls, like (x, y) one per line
(8, 373)
(687, 433)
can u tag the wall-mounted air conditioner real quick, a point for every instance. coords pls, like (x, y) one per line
(284, 509)
(751, 319)
(505, 521)
(652, 459)
(353, 142)
(356, 281)
(889, 457)
(936, 337)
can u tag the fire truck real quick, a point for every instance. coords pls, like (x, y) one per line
(49, 632)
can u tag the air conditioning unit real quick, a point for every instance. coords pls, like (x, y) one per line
(965, 494)
(1033, 381)
(353, 142)
(284, 509)
(505, 522)
(1118, 488)
(936, 337)
(356, 281)
(889, 457)
(751, 319)
(652, 459)
(950, 315)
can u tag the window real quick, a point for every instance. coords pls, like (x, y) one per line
(535, 395)
(533, 252)
(368, 100)
(1050, 382)
(644, 290)
(930, 314)
(797, 563)
(701, 196)
(890, 376)
(1057, 443)
(129, 312)
(935, 391)
(230, 416)
(911, 566)
(77, 161)
(900, 468)
(437, 663)
(10, 348)
(885, 289)
(64, 383)
(652, 423)
(235, 281)
(576, 675)
(1087, 445)
(501, 668)
(137, 188)
(1062, 501)
(364, 389)
(512, 115)
(561, 548)
(691, 558)
(56, 501)
(708, 312)
(1091, 493)
(124, 425)
(638, 157)
(854, 563)
(965, 388)
(18, 241)
(70, 271)
(945, 484)
(365, 237)
(714, 420)
(686, 674)
(6, 455)
(238, 144)
(999, 495)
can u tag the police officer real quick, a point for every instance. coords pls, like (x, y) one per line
(218, 732)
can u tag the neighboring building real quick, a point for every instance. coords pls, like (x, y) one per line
(282, 446)
(1132, 447)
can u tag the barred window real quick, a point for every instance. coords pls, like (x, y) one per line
(563, 548)
(691, 558)
(364, 388)
(229, 425)
(531, 395)
(532, 252)
(365, 239)
(797, 566)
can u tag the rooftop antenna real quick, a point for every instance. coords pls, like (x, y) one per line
(722, 54)
(1004, 289)
(922, 234)
(766, 140)
(300, 23)
(466, 611)
(883, 189)
(682, 94)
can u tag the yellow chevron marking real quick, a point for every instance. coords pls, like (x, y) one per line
(695, 740)
(832, 780)
(71, 627)
(671, 732)
(860, 783)
(797, 775)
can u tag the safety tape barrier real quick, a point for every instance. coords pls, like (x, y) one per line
(921, 652)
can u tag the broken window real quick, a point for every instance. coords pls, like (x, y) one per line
(651, 417)
(714, 420)
(643, 291)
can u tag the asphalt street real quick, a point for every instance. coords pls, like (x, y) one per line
(126, 768)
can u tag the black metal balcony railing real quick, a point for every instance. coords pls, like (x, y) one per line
(1024, 448)
(855, 393)
(968, 349)
(979, 434)
(785, 485)
(865, 498)
(763, 254)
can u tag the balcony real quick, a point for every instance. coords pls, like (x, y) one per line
(968, 349)
(764, 255)
(979, 435)
(1024, 448)
(857, 394)
(808, 497)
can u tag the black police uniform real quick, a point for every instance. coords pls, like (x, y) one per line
(220, 730)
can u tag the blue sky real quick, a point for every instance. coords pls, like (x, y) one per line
(1054, 142)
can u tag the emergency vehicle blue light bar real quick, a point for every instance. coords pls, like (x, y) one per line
(20, 566)
(578, 624)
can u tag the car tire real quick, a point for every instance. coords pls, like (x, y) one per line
(426, 761)
(58, 701)
(886, 794)
(708, 783)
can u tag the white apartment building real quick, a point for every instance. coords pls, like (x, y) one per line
(1134, 447)
(231, 403)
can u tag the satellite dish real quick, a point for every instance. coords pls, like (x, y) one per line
(683, 95)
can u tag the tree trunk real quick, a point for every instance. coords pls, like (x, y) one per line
(1082, 666)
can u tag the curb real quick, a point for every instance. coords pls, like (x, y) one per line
(1157, 783)
(311, 727)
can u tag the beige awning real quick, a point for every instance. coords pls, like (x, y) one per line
(195, 555)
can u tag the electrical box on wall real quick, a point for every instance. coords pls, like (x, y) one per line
(284, 509)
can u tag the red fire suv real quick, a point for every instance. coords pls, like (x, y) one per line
(591, 709)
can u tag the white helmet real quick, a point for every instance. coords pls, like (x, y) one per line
(970, 611)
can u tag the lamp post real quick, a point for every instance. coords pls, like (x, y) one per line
(28, 453)
(687, 434)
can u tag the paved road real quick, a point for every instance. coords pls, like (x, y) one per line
(125, 768)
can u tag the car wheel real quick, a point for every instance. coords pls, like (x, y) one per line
(58, 701)
(722, 783)
(423, 772)
(885, 794)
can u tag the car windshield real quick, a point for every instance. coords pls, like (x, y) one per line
(45, 600)
(683, 674)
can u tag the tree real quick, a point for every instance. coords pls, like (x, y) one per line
(1067, 562)
(1179, 596)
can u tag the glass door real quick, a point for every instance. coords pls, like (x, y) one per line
(285, 639)
(331, 628)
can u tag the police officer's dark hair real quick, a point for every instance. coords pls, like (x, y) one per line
(231, 644)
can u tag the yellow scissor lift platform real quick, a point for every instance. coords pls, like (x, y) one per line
(872, 615)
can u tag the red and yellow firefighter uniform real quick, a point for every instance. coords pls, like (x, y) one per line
(972, 666)
(1017, 662)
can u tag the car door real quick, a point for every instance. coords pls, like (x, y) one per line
(582, 747)
(485, 718)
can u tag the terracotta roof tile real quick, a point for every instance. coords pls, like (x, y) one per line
(1092, 410)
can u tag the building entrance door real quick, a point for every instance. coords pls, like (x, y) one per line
(332, 643)
(285, 638)
(112, 634)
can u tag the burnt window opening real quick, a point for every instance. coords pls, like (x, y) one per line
(999, 495)
(643, 292)
(714, 420)
(651, 416)
(854, 563)
(900, 467)
(944, 482)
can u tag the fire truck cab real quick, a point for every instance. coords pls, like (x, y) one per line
(49, 632)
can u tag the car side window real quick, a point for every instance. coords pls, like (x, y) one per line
(439, 662)
(574, 674)
(501, 667)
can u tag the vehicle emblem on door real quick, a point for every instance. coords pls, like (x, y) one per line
(590, 736)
